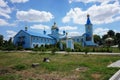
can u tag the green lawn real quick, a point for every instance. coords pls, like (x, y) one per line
(17, 66)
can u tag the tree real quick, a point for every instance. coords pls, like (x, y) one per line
(10, 41)
(104, 37)
(97, 39)
(1, 40)
(9, 45)
(117, 37)
(119, 45)
(111, 33)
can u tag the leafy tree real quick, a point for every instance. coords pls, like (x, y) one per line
(119, 45)
(97, 39)
(117, 37)
(8, 45)
(104, 37)
(10, 41)
(111, 33)
(77, 47)
(1, 40)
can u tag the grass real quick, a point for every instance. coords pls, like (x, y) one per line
(17, 66)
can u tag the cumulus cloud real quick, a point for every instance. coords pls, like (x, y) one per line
(19, 1)
(100, 14)
(11, 33)
(5, 10)
(5, 23)
(34, 16)
(88, 1)
(40, 26)
(68, 28)
(3, 3)
(101, 31)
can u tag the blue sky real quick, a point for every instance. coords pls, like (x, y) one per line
(70, 15)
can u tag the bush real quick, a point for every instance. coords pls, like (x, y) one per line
(86, 50)
(20, 48)
(68, 50)
(54, 50)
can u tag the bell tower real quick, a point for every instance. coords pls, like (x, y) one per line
(89, 29)
(55, 32)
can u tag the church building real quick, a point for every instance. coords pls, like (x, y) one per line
(29, 39)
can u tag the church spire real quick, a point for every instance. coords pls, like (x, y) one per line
(88, 19)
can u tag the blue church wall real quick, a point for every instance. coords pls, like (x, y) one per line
(26, 40)
(41, 41)
(22, 39)
(76, 38)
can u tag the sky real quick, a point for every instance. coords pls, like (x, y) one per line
(69, 15)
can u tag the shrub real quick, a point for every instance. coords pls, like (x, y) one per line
(86, 50)
(20, 48)
(68, 50)
(54, 50)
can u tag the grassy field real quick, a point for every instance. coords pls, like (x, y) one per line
(17, 66)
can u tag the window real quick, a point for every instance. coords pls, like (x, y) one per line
(48, 40)
(33, 45)
(77, 40)
(33, 38)
(37, 38)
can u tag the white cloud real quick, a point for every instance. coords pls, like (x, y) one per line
(3, 3)
(34, 16)
(5, 23)
(19, 1)
(11, 33)
(88, 1)
(40, 26)
(68, 28)
(5, 10)
(101, 31)
(70, 34)
(100, 14)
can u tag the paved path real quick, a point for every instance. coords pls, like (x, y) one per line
(64, 52)
(115, 64)
(116, 76)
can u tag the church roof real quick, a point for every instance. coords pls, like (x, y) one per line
(88, 19)
(37, 34)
